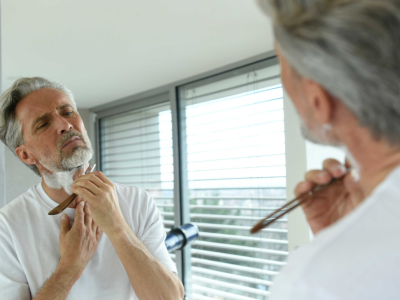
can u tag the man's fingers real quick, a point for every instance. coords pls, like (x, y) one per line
(98, 233)
(88, 215)
(94, 226)
(82, 192)
(79, 214)
(318, 176)
(88, 185)
(352, 184)
(334, 167)
(89, 178)
(302, 188)
(64, 225)
(104, 178)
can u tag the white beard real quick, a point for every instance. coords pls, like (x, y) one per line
(319, 135)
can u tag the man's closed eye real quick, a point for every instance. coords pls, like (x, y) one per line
(43, 125)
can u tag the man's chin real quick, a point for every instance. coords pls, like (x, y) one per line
(78, 158)
(321, 138)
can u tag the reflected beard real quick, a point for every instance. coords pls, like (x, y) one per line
(77, 157)
(306, 133)
(63, 175)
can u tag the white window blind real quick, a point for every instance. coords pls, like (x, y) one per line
(136, 149)
(236, 176)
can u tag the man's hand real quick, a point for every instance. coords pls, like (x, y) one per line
(78, 244)
(99, 191)
(333, 202)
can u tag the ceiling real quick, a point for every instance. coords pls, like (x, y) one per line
(107, 50)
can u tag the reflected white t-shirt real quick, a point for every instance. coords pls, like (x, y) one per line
(357, 258)
(29, 253)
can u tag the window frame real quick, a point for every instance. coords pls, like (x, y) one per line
(296, 162)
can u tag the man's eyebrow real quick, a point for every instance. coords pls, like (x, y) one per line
(64, 106)
(44, 116)
(39, 119)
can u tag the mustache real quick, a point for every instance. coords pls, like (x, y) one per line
(69, 135)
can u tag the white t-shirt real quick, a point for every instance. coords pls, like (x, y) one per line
(29, 240)
(357, 258)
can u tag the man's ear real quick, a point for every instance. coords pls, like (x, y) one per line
(25, 155)
(320, 101)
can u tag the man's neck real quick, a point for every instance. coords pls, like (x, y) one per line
(376, 159)
(60, 195)
(57, 195)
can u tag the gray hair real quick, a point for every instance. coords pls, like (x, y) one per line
(10, 128)
(351, 48)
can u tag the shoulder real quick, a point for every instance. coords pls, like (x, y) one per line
(348, 256)
(134, 199)
(16, 215)
(137, 206)
(17, 208)
(132, 194)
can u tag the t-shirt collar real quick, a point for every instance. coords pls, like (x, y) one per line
(50, 203)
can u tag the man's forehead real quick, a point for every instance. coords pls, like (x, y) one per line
(39, 103)
(42, 100)
(38, 112)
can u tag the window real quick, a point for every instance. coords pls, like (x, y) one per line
(212, 151)
(235, 146)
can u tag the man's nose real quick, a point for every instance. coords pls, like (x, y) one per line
(63, 125)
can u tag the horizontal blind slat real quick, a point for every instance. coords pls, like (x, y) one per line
(220, 236)
(231, 276)
(229, 217)
(229, 286)
(240, 248)
(218, 292)
(240, 258)
(234, 267)
(238, 227)
(214, 207)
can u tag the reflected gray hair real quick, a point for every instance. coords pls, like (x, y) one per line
(10, 128)
(351, 48)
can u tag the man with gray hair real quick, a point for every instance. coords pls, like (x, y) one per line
(115, 246)
(340, 64)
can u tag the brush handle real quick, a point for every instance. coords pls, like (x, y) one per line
(289, 206)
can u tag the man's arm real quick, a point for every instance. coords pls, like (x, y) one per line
(58, 286)
(77, 246)
(149, 278)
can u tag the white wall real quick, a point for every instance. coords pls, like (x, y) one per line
(18, 177)
(3, 199)
(89, 125)
(296, 166)
(316, 154)
(2, 146)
